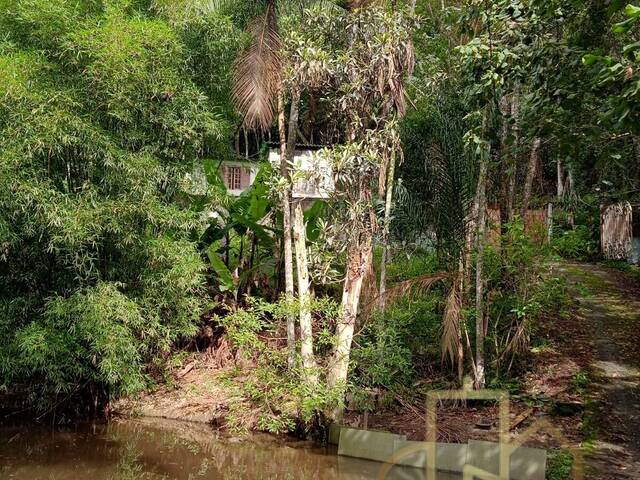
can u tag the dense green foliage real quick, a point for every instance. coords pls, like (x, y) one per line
(103, 113)
(119, 241)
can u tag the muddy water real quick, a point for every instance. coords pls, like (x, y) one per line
(164, 450)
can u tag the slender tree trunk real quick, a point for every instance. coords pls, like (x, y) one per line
(559, 179)
(358, 259)
(513, 167)
(304, 297)
(570, 187)
(385, 230)
(225, 243)
(481, 202)
(292, 137)
(286, 234)
(246, 143)
(531, 173)
(300, 237)
(254, 246)
(549, 222)
(460, 353)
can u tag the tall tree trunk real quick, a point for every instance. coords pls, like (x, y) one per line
(481, 222)
(559, 179)
(505, 153)
(549, 222)
(304, 297)
(300, 238)
(286, 234)
(246, 143)
(534, 158)
(358, 259)
(513, 167)
(294, 112)
(254, 247)
(385, 230)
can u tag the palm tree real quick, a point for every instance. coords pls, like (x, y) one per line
(258, 95)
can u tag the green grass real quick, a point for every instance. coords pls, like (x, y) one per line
(581, 382)
(559, 465)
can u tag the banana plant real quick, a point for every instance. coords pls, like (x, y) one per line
(244, 218)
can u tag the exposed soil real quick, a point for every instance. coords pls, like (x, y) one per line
(198, 397)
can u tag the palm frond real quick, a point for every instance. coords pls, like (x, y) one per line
(417, 284)
(257, 72)
(451, 339)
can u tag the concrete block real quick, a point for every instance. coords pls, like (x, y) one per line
(450, 457)
(528, 463)
(367, 444)
(334, 434)
(524, 463)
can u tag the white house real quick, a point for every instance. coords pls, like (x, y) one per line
(238, 175)
(312, 174)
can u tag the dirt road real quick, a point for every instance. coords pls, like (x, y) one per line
(609, 307)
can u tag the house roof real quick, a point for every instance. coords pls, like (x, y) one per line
(300, 146)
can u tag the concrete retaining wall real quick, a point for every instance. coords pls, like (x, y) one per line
(378, 446)
(524, 463)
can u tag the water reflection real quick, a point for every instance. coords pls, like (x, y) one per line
(164, 450)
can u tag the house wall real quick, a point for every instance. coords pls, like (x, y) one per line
(314, 177)
(248, 172)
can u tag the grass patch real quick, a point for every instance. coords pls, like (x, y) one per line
(580, 382)
(559, 465)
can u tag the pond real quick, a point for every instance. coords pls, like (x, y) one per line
(146, 449)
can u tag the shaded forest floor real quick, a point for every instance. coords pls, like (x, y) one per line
(584, 379)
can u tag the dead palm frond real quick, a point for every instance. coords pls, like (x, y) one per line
(413, 285)
(257, 72)
(519, 343)
(451, 341)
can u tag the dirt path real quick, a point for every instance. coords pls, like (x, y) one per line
(609, 306)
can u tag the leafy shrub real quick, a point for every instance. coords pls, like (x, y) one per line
(405, 267)
(521, 293)
(575, 244)
(559, 466)
(101, 119)
(396, 342)
(277, 397)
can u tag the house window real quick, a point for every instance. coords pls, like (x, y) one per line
(234, 178)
